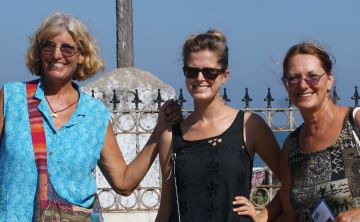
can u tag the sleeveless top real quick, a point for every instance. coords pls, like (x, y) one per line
(209, 173)
(72, 152)
(332, 174)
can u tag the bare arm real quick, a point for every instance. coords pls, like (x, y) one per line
(288, 212)
(167, 192)
(125, 178)
(357, 119)
(260, 139)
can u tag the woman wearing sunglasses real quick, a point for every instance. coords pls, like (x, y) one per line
(320, 160)
(52, 161)
(206, 160)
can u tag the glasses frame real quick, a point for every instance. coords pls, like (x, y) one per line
(310, 80)
(206, 71)
(49, 47)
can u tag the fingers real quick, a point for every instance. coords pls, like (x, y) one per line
(243, 206)
(172, 111)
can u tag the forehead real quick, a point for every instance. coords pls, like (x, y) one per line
(304, 62)
(204, 58)
(63, 36)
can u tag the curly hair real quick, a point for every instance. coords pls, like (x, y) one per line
(55, 24)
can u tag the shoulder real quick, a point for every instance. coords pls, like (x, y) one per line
(253, 120)
(13, 86)
(93, 108)
(357, 116)
(93, 102)
(14, 92)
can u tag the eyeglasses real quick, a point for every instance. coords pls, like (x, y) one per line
(208, 73)
(310, 80)
(66, 49)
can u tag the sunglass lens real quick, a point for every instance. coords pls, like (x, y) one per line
(67, 50)
(210, 73)
(191, 72)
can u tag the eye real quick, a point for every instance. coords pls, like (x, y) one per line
(47, 45)
(66, 46)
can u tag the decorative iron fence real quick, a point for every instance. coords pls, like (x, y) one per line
(133, 127)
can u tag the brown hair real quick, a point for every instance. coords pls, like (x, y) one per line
(53, 25)
(211, 40)
(311, 49)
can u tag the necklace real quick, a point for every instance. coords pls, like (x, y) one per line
(54, 113)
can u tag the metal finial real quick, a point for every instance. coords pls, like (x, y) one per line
(181, 100)
(136, 99)
(114, 100)
(356, 97)
(158, 100)
(247, 99)
(225, 97)
(289, 101)
(269, 98)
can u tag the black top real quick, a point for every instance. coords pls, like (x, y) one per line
(209, 173)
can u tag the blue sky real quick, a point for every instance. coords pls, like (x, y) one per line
(259, 33)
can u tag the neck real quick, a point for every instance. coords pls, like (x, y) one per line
(209, 110)
(58, 88)
(320, 120)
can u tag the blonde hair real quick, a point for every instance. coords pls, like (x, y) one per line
(53, 25)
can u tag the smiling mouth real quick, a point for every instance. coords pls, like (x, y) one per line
(306, 94)
(200, 87)
(56, 65)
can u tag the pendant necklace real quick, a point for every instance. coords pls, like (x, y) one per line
(54, 114)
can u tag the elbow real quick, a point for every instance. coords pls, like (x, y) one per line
(124, 190)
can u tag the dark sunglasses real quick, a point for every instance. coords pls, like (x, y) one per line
(48, 48)
(310, 80)
(208, 73)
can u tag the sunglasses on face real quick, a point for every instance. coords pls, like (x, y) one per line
(311, 80)
(48, 48)
(208, 73)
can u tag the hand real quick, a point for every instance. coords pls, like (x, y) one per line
(243, 206)
(352, 215)
(170, 113)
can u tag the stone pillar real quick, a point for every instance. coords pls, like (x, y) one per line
(130, 95)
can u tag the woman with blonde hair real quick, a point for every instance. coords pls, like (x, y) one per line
(53, 135)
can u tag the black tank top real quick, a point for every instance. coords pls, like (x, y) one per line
(209, 173)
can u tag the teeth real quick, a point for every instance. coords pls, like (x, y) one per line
(200, 87)
(56, 65)
(305, 94)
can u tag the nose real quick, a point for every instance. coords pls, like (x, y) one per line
(303, 83)
(200, 76)
(57, 53)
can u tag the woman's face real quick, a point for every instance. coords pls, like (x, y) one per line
(200, 87)
(60, 57)
(303, 91)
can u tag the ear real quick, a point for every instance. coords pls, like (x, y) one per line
(81, 59)
(225, 76)
(330, 81)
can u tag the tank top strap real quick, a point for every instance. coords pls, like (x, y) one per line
(292, 142)
(177, 137)
(238, 123)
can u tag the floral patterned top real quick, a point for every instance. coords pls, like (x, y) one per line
(73, 152)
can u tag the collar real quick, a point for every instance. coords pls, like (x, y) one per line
(79, 112)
